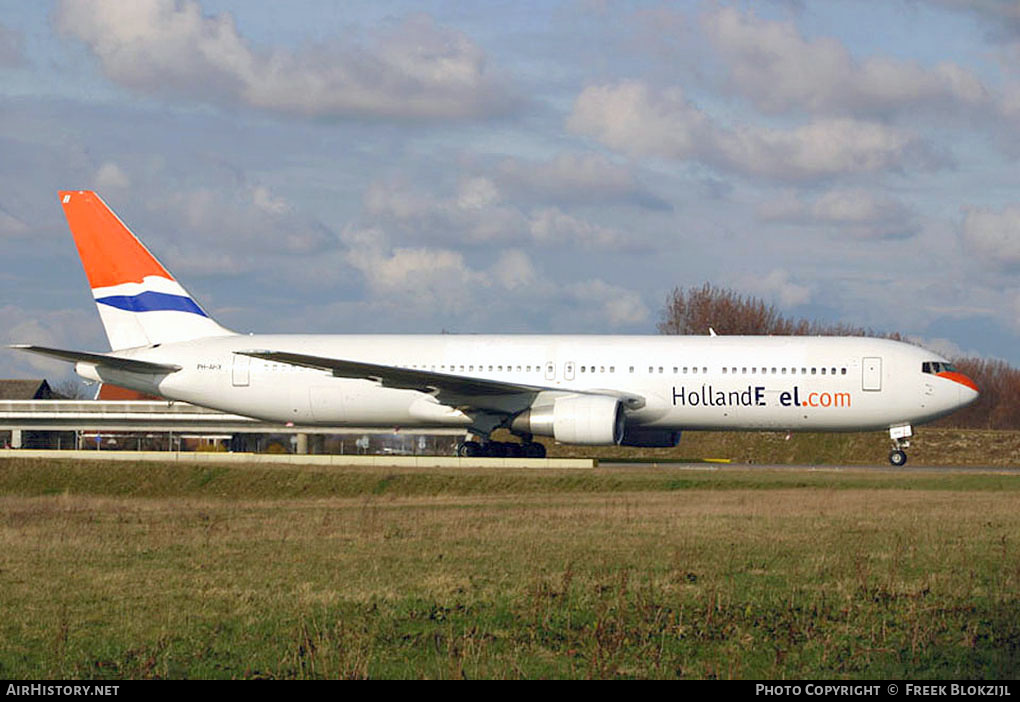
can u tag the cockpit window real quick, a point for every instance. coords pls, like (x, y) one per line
(936, 367)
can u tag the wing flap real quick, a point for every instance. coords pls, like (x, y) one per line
(102, 360)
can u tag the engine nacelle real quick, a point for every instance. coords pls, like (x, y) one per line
(575, 419)
(650, 438)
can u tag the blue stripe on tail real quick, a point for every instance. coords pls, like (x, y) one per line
(152, 302)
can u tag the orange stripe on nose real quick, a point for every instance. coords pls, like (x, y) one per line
(960, 378)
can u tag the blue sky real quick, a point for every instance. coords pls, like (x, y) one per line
(519, 166)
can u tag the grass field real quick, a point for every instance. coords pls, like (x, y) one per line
(146, 570)
(932, 446)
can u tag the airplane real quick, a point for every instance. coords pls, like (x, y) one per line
(575, 389)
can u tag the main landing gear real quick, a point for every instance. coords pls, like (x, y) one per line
(901, 440)
(501, 449)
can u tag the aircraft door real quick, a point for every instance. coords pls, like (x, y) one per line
(550, 370)
(872, 374)
(241, 371)
(568, 370)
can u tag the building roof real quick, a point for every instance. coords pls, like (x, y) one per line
(26, 390)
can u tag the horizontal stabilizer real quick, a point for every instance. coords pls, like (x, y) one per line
(102, 360)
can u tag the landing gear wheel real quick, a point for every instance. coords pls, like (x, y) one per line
(469, 449)
(496, 449)
(898, 457)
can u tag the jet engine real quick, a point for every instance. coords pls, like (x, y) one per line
(575, 419)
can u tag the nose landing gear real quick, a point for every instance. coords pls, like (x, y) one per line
(901, 440)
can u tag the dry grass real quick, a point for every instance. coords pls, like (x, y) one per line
(747, 575)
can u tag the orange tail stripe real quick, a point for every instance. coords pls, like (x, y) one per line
(109, 252)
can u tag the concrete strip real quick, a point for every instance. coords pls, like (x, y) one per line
(293, 459)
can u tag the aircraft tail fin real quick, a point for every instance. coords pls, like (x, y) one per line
(139, 301)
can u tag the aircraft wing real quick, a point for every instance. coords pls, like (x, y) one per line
(446, 387)
(102, 360)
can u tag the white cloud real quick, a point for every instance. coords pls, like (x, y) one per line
(428, 281)
(477, 194)
(586, 178)
(476, 214)
(855, 212)
(946, 348)
(619, 306)
(777, 284)
(994, 236)
(416, 70)
(553, 227)
(110, 176)
(633, 118)
(779, 69)
(432, 280)
(264, 200)
(231, 229)
(69, 328)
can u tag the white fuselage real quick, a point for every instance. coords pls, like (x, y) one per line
(752, 382)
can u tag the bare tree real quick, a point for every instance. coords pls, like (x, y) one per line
(695, 310)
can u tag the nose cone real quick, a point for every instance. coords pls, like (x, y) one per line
(968, 388)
